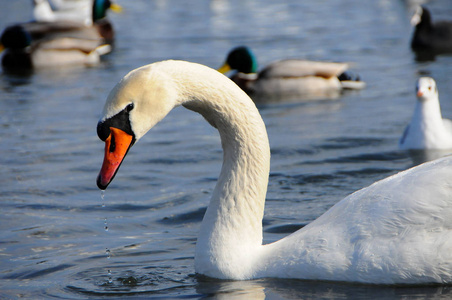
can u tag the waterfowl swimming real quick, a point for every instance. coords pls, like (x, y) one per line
(23, 52)
(81, 11)
(291, 79)
(427, 129)
(396, 231)
(60, 43)
(429, 36)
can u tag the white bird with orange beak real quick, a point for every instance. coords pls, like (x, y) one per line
(396, 231)
(427, 129)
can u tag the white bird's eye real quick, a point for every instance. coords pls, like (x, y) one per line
(129, 107)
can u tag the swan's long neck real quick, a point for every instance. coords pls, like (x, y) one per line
(231, 231)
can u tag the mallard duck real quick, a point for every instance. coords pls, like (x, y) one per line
(429, 36)
(396, 231)
(53, 44)
(427, 129)
(288, 79)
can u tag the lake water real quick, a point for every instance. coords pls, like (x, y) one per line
(61, 238)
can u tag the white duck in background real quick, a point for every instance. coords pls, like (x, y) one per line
(427, 129)
(80, 11)
(69, 4)
(398, 230)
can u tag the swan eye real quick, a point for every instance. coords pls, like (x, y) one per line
(129, 107)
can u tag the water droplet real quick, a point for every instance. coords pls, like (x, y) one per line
(108, 253)
(102, 197)
(105, 224)
(110, 280)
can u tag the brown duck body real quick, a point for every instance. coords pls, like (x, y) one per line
(288, 80)
(294, 79)
(54, 44)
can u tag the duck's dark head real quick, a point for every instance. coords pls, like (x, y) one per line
(421, 18)
(100, 8)
(15, 37)
(240, 59)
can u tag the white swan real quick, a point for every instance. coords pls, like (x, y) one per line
(398, 230)
(427, 129)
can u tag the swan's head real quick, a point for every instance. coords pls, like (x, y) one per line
(426, 89)
(138, 102)
(240, 59)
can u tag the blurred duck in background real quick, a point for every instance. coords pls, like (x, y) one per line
(430, 38)
(427, 129)
(288, 80)
(79, 11)
(58, 41)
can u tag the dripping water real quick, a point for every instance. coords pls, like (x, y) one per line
(110, 280)
(102, 197)
(107, 251)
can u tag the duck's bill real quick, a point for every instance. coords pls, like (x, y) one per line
(116, 8)
(224, 68)
(117, 145)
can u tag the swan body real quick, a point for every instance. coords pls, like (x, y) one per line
(427, 129)
(398, 230)
(430, 36)
(288, 79)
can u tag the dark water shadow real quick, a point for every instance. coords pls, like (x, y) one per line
(303, 289)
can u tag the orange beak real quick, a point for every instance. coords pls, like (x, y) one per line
(116, 147)
(420, 93)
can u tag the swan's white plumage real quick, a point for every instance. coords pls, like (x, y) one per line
(398, 230)
(427, 129)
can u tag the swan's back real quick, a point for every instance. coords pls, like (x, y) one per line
(398, 230)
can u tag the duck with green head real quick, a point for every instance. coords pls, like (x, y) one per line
(48, 44)
(290, 79)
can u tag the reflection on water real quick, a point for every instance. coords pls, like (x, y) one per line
(53, 237)
(298, 289)
(420, 156)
